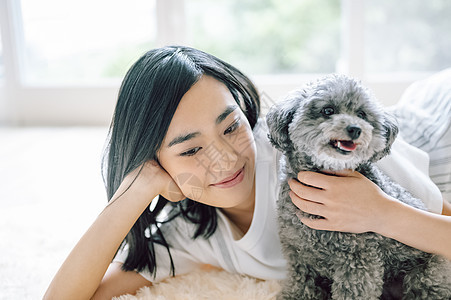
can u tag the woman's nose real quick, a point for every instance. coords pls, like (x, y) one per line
(225, 160)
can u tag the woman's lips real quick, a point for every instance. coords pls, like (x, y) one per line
(232, 180)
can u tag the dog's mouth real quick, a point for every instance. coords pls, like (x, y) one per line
(343, 146)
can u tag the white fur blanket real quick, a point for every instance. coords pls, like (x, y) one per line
(215, 284)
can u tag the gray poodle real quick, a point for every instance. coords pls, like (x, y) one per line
(335, 124)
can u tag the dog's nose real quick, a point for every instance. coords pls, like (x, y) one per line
(353, 131)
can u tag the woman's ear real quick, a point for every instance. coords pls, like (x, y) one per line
(390, 127)
(279, 118)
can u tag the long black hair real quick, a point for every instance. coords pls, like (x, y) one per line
(148, 98)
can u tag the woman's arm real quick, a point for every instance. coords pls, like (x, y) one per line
(84, 268)
(352, 203)
(417, 228)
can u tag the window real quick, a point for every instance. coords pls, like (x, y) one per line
(267, 36)
(63, 60)
(83, 41)
(2, 85)
(2, 68)
(413, 37)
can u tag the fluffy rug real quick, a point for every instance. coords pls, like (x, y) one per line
(214, 284)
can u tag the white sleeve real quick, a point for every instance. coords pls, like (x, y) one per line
(409, 167)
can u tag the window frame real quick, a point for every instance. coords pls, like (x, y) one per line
(26, 104)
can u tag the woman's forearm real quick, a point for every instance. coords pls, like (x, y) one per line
(84, 268)
(419, 229)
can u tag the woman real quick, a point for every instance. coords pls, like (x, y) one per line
(186, 127)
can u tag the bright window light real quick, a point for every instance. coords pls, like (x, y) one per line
(84, 41)
(2, 68)
(267, 36)
(410, 36)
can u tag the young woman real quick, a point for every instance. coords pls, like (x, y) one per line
(186, 128)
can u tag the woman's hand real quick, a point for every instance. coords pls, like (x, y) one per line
(350, 202)
(347, 200)
(150, 180)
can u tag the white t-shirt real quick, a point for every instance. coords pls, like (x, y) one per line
(258, 252)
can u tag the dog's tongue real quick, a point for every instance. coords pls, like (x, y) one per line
(346, 145)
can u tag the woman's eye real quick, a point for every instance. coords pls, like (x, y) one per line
(328, 111)
(232, 127)
(191, 152)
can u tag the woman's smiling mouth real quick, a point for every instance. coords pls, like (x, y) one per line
(231, 180)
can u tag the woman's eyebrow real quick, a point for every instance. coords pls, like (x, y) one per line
(229, 109)
(185, 137)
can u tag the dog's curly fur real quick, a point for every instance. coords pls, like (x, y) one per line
(335, 123)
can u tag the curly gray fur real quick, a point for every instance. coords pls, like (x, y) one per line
(335, 265)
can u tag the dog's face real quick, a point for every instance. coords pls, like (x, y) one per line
(335, 121)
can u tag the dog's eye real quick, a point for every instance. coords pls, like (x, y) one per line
(361, 114)
(327, 111)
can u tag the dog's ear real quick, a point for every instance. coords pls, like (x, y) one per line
(279, 118)
(390, 127)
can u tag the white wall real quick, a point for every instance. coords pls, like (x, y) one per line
(64, 106)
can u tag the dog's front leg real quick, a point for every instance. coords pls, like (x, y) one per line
(302, 285)
(358, 277)
(302, 280)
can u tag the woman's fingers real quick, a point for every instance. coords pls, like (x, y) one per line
(310, 207)
(305, 191)
(151, 173)
(318, 224)
(313, 179)
(325, 180)
(346, 200)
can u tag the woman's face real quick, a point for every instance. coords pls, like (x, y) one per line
(209, 149)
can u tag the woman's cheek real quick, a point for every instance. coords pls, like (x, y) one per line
(242, 140)
(190, 184)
